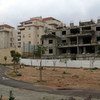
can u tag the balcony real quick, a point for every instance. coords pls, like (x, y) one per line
(89, 44)
(85, 33)
(72, 44)
(88, 32)
(20, 26)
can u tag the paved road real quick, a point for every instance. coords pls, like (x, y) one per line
(23, 85)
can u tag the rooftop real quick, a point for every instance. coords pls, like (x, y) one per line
(39, 19)
(6, 25)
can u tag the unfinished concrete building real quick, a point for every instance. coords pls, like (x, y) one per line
(75, 42)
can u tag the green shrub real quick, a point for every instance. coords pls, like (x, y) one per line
(64, 72)
(95, 68)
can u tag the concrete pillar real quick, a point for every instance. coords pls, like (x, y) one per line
(80, 30)
(77, 49)
(77, 45)
(84, 50)
(96, 50)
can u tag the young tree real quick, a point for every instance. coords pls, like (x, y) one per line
(94, 56)
(38, 51)
(15, 58)
(5, 58)
(54, 63)
(11, 97)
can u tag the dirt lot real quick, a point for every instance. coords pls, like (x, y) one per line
(61, 77)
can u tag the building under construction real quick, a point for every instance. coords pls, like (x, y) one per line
(73, 42)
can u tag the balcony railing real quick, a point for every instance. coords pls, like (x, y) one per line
(75, 44)
(88, 31)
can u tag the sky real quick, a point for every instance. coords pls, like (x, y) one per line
(15, 11)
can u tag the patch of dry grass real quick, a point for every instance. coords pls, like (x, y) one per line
(62, 77)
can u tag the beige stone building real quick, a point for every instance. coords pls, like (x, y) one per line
(8, 41)
(7, 36)
(30, 32)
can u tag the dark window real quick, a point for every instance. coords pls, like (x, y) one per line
(98, 38)
(87, 40)
(50, 51)
(63, 41)
(86, 28)
(28, 22)
(19, 32)
(97, 28)
(73, 50)
(50, 41)
(90, 49)
(53, 33)
(22, 29)
(19, 36)
(42, 41)
(19, 39)
(63, 32)
(29, 42)
(19, 44)
(63, 50)
(75, 31)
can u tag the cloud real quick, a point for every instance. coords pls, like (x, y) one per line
(14, 11)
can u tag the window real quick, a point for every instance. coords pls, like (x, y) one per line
(22, 29)
(19, 39)
(19, 44)
(53, 33)
(63, 50)
(63, 41)
(63, 32)
(98, 38)
(97, 28)
(29, 42)
(50, 41)
(19, 36)
(42, 42)
(19, 32)
(28, 22)
(37, 42)
(75, 31)
(50, 51)
(86, 28)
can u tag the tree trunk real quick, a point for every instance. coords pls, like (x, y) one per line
(40, 71)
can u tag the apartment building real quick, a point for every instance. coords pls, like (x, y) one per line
(30, 32)
(8, 41)
(75, 42)
(7, 36)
